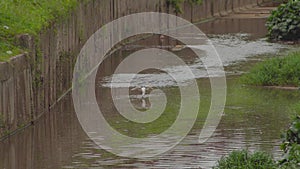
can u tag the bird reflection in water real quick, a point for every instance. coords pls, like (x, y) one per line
(141, 98)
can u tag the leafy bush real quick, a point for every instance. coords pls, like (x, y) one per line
(291, 145)
(278, 71)
(284, 23)
(243, 159)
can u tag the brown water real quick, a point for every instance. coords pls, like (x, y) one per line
(253, 117)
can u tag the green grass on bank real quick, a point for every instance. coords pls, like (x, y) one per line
(276, 72)
(27, 16)
(297, 108)
(243, 159)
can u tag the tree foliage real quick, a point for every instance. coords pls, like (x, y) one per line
(284, 23)
(291, 145)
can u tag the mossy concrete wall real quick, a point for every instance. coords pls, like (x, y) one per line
(31, 83)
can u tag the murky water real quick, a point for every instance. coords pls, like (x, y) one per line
(253, 118)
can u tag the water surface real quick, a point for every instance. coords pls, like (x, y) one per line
(253, 118)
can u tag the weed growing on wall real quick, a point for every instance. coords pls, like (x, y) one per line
(176, 4)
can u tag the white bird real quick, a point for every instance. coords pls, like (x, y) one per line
(142, 89)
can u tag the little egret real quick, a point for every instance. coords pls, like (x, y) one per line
(142, 89)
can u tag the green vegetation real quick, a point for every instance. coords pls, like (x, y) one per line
(31, 16)
(176, 4)
(276, 72)
(27, 17)
(284, 23)
(291, 145)
(297, 107)
(243, 159)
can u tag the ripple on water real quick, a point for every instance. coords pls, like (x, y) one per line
(232, 49)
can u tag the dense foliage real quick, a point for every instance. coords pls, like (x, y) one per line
(27, 16)
(243, 159)
(278, 71)
(284, 23)
(291, 145)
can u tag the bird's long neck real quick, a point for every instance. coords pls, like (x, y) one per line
(143, 91)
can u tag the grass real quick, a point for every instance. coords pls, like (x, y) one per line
(276, 72)
(245, 160)
(296, 107)
(28, 17)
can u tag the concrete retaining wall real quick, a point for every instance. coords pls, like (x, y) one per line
(29, 85)
(15, 94)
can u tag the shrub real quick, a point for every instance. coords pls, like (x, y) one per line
(284, 22)
(278, 71)
(291, 145)
(243, 159)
